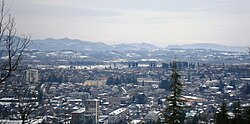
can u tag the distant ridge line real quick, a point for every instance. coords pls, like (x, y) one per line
(51, 44)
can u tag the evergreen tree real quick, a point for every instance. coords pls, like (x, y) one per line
(158, 121)
(110, 81)
(117, 81)
(247, 115)
(174, 111)
(246, 89)
(164, 84)
(237, 112)
(222, 117)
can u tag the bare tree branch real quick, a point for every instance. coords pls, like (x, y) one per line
(11, 46)
(27, 98)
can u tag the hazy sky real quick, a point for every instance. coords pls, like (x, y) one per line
(161, 22)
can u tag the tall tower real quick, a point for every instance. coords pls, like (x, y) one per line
(92, 108)
(248, 50)
(32, 75)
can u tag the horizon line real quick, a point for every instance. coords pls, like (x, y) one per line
(139, 42)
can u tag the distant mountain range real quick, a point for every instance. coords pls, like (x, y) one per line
(134, 46)
(208, 46)
(50, 44)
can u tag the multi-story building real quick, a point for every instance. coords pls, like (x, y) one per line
(117, 115)
(94, 83)
(92, 111)
(32, 75)
(87, 115)
(78, 116)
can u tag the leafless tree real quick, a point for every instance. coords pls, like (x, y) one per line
(11, 46)
(27, 105)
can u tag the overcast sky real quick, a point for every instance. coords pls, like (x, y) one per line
(161, 22)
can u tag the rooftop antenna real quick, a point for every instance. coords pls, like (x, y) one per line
(248, 50)
(175, 58)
